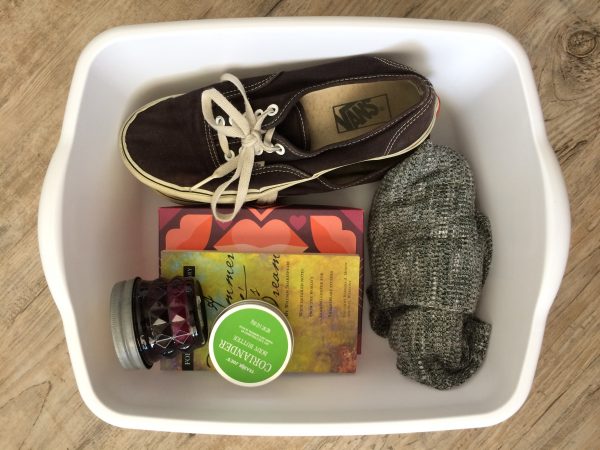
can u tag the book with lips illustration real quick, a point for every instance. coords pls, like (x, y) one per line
(275, 229)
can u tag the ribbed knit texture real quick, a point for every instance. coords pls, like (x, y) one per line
(430, 250)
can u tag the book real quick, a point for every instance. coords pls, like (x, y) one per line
(318, 293)
(273, 229)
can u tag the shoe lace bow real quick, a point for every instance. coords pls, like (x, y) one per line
(246, 126)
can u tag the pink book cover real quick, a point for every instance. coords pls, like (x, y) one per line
(278, 229)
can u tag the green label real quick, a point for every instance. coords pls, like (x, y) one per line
(250, 345)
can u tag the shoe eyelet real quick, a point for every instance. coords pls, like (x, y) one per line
(230, 121)
(274, 109)
(258, 152)
(259, 112)
(220, 120)
(229, 156)
(281, 150)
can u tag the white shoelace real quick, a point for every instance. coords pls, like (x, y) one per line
(254, 141)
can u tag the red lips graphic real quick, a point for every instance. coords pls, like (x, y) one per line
(274, 237)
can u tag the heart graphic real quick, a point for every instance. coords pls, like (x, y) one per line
(298, 221)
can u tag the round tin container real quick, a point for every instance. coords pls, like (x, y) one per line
(251, 343)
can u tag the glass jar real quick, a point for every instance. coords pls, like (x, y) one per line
(156, 319)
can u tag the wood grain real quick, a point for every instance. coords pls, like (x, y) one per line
(40, 41)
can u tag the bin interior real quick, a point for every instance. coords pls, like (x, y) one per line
(110, 219)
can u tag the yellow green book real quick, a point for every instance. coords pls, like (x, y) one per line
(318, 293)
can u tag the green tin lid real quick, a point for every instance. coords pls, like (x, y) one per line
(251, 343)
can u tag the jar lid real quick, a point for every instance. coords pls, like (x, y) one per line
(121, 322)
(251, 343)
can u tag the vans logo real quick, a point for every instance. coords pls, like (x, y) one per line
(362, 113)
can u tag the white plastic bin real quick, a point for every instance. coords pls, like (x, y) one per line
(98, 225)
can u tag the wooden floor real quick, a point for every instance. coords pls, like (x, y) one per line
(40, 41)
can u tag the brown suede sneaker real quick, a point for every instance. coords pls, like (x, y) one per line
(303, 131)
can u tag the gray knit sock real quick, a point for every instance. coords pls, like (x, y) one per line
(430, 250)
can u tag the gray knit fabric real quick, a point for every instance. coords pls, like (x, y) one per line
(430, 250)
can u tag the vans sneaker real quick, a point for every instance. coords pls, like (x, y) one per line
(316, 129)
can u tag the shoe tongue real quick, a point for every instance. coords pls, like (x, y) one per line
(293, 128)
